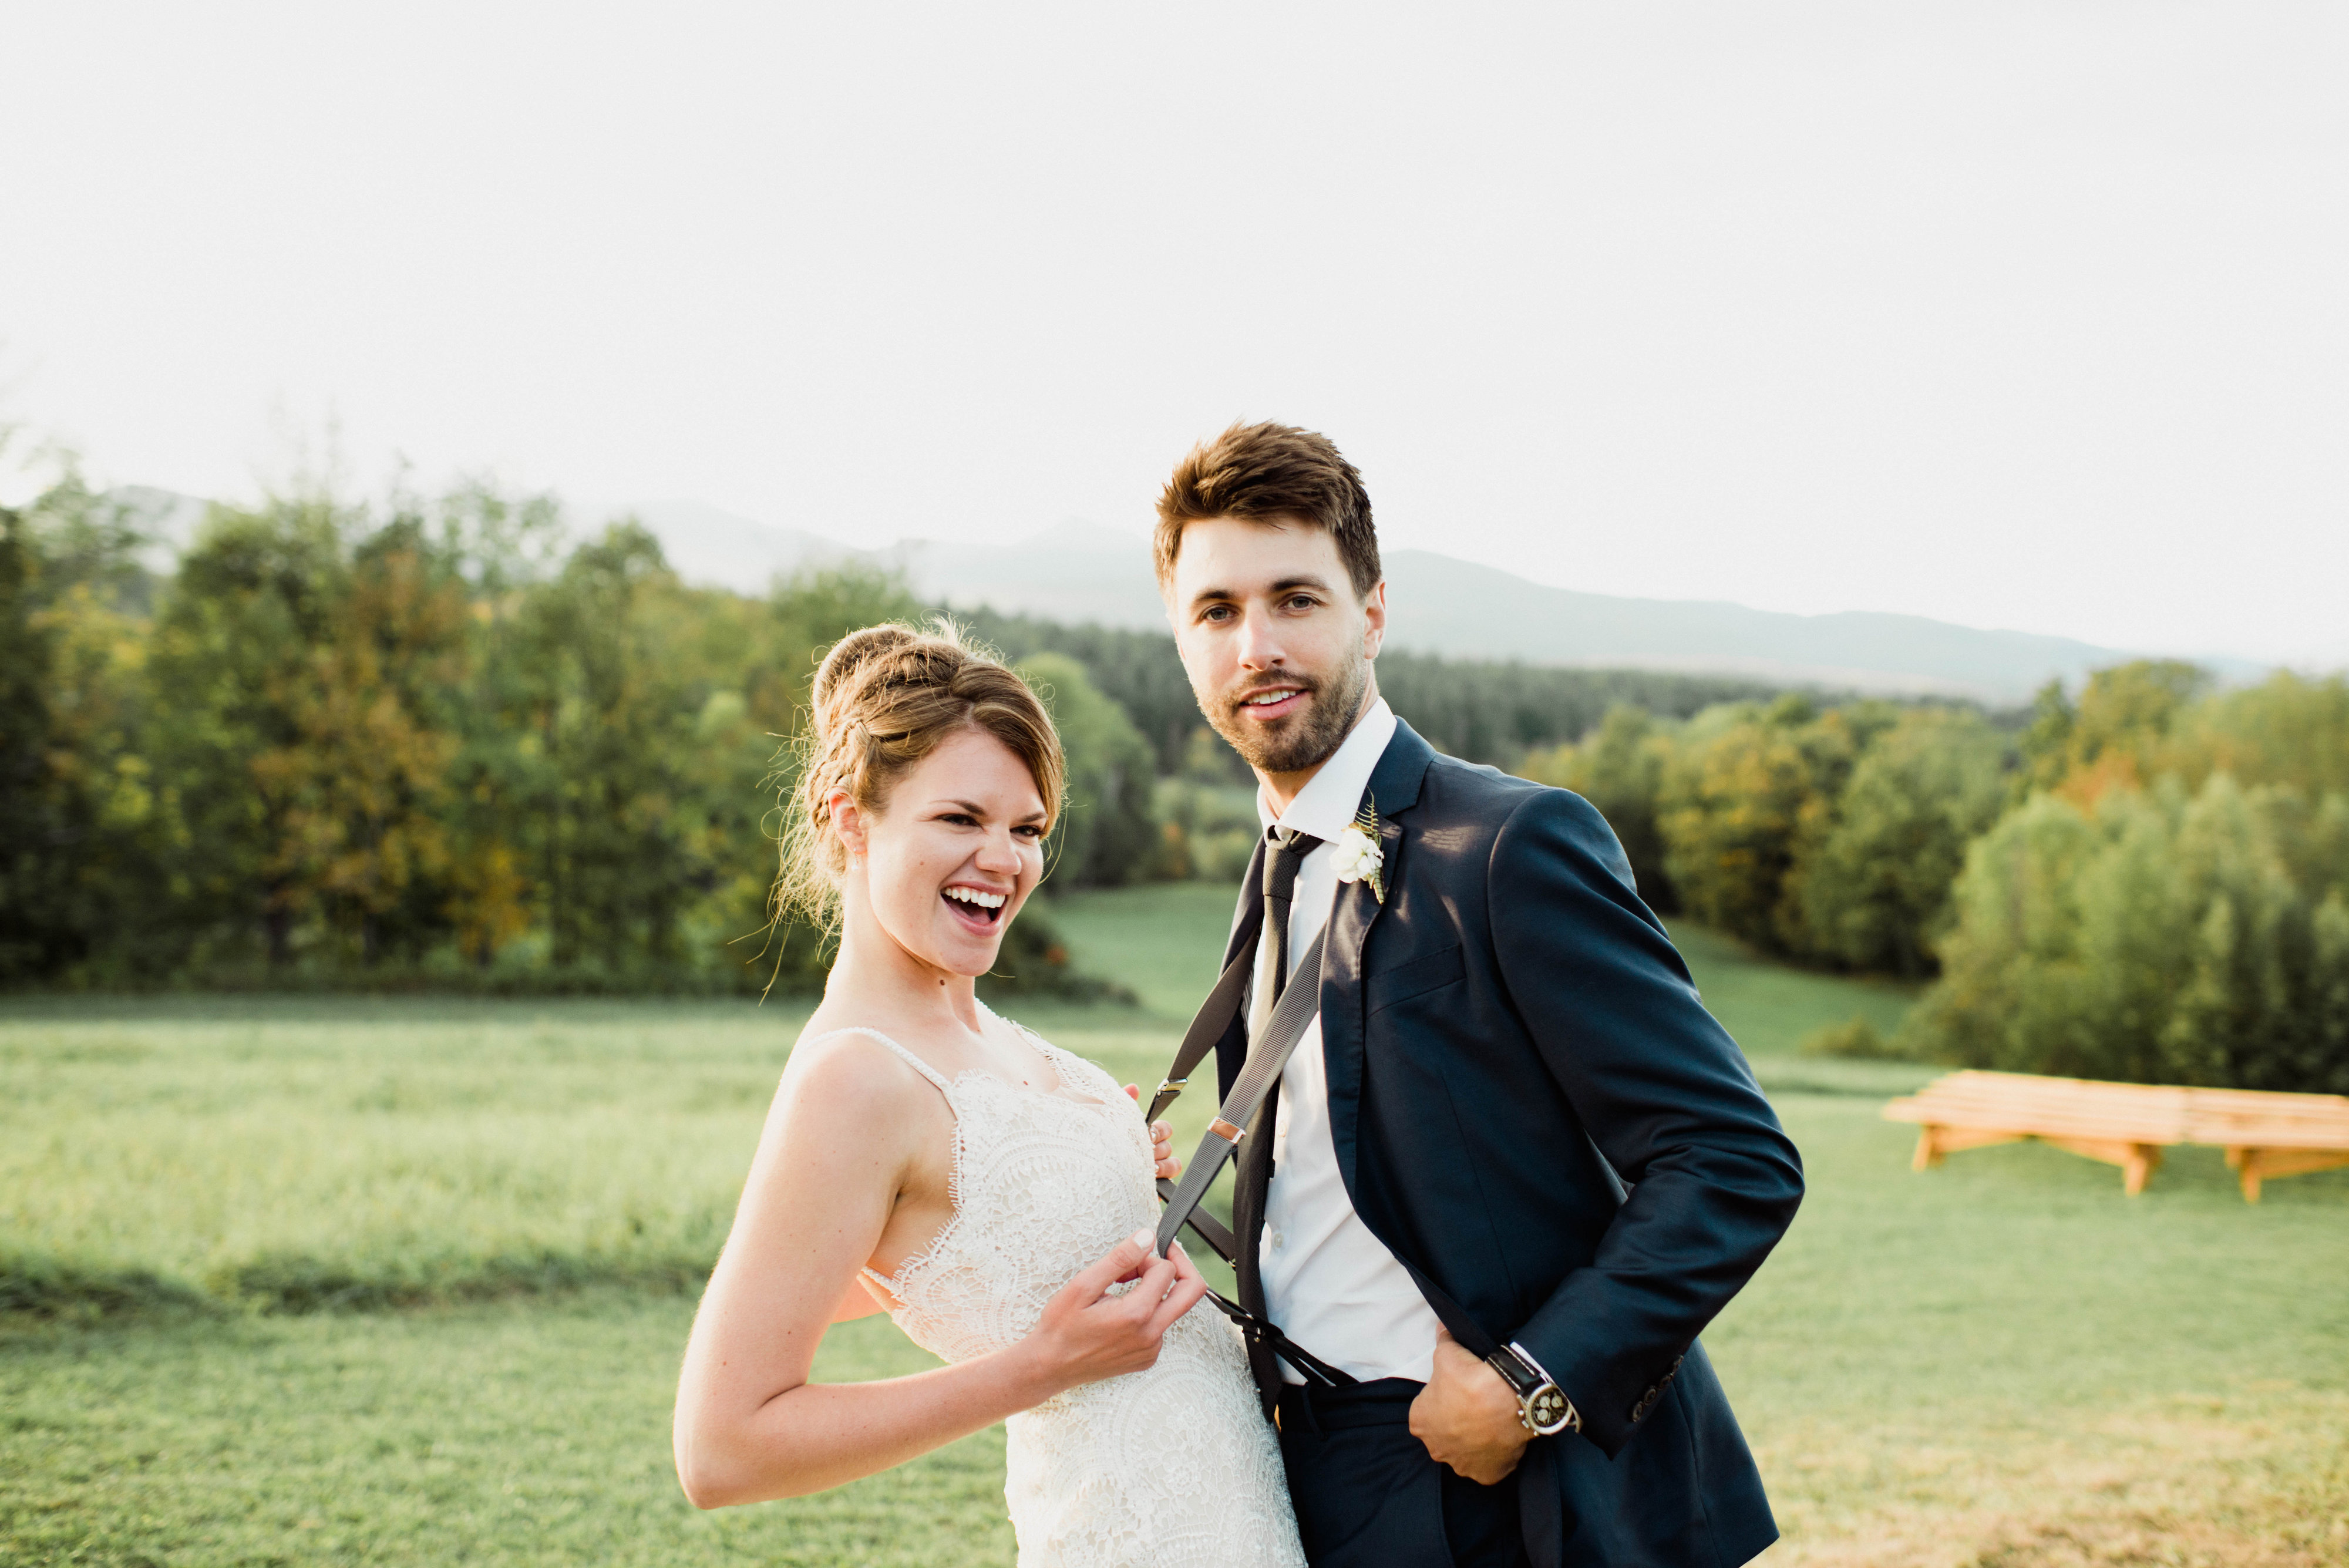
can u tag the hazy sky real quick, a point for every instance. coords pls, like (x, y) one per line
(2026, 315)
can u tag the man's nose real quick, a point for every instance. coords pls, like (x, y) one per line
(1259, 647)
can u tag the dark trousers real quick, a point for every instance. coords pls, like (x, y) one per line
(1367, 1495)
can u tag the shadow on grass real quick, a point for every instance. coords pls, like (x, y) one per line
(36, 1289)
(41, 1289)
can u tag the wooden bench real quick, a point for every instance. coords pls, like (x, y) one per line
(2129, 1124)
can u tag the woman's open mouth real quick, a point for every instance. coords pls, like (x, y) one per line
(976, 907)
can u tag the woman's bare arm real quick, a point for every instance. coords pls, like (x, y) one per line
(838, 1145)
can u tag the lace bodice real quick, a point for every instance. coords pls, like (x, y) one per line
(1171, 1466)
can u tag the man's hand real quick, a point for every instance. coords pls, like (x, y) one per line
(1467, 1416)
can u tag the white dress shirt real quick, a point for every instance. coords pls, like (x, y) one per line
(1331, 1285)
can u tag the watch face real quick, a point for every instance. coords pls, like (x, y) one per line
(1547, 1406)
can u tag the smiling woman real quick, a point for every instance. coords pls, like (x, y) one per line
(886, 698)
(923, 1156)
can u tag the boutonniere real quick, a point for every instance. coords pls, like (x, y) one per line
(1358, 858)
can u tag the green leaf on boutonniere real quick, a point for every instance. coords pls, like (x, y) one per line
(1360, 855)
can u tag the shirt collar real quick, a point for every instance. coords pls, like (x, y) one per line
(1329, 800)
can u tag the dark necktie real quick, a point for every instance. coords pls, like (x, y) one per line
(1253, 1177)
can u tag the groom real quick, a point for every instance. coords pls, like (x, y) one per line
(1513, 1166)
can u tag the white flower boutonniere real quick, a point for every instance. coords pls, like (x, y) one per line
(1357, 855)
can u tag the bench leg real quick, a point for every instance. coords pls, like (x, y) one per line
(2246, 1162)
(2257, 1165)
(1934, 1142)
(2137, 1161)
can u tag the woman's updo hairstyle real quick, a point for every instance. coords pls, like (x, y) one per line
(885, 698)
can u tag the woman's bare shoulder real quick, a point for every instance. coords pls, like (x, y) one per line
(850, 1071)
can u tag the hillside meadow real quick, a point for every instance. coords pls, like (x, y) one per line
(394, 1280)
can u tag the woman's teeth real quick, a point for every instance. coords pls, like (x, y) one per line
(991, 902)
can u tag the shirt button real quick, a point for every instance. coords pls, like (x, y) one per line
(1279, 1241)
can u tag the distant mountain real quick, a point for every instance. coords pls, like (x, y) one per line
(716, 548)
(1077, 572)
(166, 517)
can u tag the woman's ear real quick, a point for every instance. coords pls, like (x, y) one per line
(848, 823)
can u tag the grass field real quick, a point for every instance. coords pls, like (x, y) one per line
(2003, 1362)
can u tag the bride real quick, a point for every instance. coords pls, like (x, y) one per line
(990, 1192)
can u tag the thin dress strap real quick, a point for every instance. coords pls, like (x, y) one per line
(915, 1062)
(954, 1178)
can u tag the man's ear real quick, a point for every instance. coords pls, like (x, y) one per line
(1374, 613)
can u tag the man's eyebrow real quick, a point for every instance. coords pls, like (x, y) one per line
(1279, 586)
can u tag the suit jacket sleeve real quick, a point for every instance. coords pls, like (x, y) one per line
(1664, 1093)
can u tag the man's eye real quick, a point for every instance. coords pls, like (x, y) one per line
(1302, 601)
(1220, 613)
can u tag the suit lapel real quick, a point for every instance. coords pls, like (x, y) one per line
(1394, 786)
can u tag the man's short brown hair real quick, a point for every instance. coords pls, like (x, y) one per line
(1271, 473)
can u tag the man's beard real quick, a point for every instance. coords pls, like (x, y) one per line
(1310, 738)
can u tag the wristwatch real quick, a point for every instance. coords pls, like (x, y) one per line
(1541, 1405)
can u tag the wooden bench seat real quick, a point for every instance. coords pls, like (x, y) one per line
(2129, 1124)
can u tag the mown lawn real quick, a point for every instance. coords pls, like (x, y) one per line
(405, 1283)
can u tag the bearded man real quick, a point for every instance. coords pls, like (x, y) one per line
(1511, 1168)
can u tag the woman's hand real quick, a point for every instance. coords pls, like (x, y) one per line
(1162, 1141)
(1086, 1334)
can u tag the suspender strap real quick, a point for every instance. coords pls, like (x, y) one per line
(1206, 1226)
(1296, 1009)
(1290, 1014)
(1207, 1026)
(1261, 1331)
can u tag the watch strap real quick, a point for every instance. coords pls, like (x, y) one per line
(1542, 1404)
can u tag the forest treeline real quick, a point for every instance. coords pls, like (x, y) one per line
(433, 741)
(2149, 883)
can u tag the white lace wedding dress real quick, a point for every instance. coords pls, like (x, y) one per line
(1169, 1466)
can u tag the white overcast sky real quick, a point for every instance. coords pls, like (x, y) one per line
(2018, 315)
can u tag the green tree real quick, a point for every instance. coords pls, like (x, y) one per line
(1746, 796)
(2105, 739)
(1107, 834)
(1874, 890)
(77, 863)
(231, 672)
(361, 780)
(608, 727)
(1619, 768)
(502, 546)
(2288, 729)
(2164, 937)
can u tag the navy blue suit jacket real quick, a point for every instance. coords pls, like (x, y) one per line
(1532, 1109)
